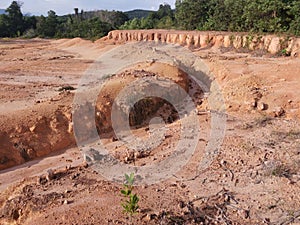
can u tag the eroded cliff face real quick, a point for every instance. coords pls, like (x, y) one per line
(196, 39)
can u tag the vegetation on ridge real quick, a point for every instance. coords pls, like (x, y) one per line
(271, 16)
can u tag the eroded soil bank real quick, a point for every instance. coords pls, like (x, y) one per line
(254, 178)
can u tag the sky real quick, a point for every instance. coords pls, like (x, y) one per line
(62, 7)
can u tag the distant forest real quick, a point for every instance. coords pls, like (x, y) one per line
(259, 16)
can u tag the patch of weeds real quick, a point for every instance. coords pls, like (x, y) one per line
(245, 126)
(107, 76)
(247, 146)
(231, 38)
(277, 169)
(209, 210)
(226, 49)
(249, 39)
(131, 200)
(259, 38)
(282, 135)
(260, 52)
(67, 88)
(294, 134)
(4, 160)
(262, 121)
(281, 171)
(284, 52)
(244, 49)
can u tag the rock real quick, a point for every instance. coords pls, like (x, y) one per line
(50, 175)
(181, 205)
(253, 104)
(204, 40)
(66, 202)
(227, 41)
(244, 213)
(262, 106)
(223, 162)
(278, 112)
(114, 139)
(138, 155)
(237, 42)
(31, 153)
(295, 51)
(275, 45)
(151, 216)
(74, 176)
(85, 164)
(32, 129)
(39, 180)
(70, 128)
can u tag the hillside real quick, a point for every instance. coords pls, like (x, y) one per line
(138, 13)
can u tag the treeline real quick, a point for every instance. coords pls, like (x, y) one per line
(90, 25)
(272, 16)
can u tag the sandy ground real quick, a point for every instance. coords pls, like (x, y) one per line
(254, 179)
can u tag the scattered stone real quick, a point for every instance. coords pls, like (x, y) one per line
(183, 185)
(85, 165)
(244, 213)
(114, 139)
(66, 202)
(151, 216)
(50, 175)
(278, 112)
(262, 106)
(138, 155)
(226, 198)
(68, 167)
(254, 104)
(32, 129)
(74, 176)
(39, 180)
(223, 162)
(181, 205)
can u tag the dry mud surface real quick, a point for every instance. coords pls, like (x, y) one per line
(254, 178)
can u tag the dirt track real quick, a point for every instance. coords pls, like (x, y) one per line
(253, 180)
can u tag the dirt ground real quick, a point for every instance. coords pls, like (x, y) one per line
(254, 178)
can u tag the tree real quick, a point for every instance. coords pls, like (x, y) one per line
(30, 22)
(165, 23)
(265, 16)
(294, 14)
(218, 16)
(94, 28)
(4, 26)
(47, 27)
(191, 14)
(147, 23)
(132, 24)
(164, 11)
(15, 19)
